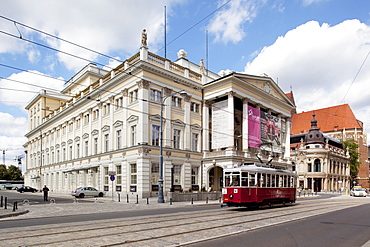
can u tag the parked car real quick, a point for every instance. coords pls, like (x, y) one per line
(358, 192)
(81, 192)
(26, 189)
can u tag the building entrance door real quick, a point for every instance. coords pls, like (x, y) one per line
(215, 182)
(317, 184)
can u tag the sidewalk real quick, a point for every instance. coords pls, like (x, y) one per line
(90, 205)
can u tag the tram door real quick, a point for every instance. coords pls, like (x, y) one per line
(215, 179)
(317, 184)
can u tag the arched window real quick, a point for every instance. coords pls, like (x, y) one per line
(317, 165)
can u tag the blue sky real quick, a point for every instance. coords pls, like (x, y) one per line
(315, 47)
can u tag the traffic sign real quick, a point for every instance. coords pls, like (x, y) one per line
(112, 178)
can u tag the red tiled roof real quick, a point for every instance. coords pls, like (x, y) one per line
(328, 119)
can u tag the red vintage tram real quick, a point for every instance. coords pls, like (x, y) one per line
(255, 184)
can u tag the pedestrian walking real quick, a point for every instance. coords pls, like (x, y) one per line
(46, 191)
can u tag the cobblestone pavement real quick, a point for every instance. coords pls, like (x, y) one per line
(79, 206)
(177, 229)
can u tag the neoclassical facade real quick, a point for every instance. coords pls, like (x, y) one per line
(320, 160)
(108, 122)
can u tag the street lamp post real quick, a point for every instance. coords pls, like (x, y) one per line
(160, 180)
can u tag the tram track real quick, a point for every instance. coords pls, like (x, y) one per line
(148, 229)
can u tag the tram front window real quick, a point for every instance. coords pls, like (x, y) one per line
(232, 181)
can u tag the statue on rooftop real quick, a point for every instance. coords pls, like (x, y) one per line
(201, 66)
(144, 38)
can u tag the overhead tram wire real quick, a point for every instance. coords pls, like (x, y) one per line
(56, 37)
(358, 72)
(187, 30)
(24, 70)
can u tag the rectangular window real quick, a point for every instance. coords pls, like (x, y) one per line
(78, 123)
(106, 176)
(133, 96)
(177, 174)
(155, 176)
(77, 150)
(119, 174)
(86, 119)
(70, 127)
(133, 171)
(119, 103)
(194, 142)
(155, 135)
(86, 148)
(176, 101)
(52, 157)
(194, 107)
(95, 114)
(155, 95)
(176, 139)
(133, 135)
(106, 142)
(58, 156)
(64, 128)
(70, 152)
(194, 175)
(64, 154)
(118, 135)
(95, 145)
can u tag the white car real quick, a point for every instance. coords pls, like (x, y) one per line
(358, 192)
(81, 192)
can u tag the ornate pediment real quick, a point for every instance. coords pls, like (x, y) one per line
(70, 141)
(95, 132)
(117, 124)
(77, 139)
(105, 128)
(178, 122)
(133, 118)
(196, 127)
(85, 136)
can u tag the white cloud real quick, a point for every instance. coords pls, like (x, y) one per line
(90, 23)
(227, 25)
(25, 86)
(308, 2)
(320, 63)
(12, 126)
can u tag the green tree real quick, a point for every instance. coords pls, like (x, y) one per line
(4, 175)
(14, 173)
(351, 146)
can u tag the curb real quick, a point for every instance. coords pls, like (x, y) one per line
(12, 214)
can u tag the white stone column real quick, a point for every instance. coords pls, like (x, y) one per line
(205, 125)
(187, 134)
(111, 122)
(167, 110)
(287, 138)
(245, 123)
(230, 120)
(143, 131)
(126, 135)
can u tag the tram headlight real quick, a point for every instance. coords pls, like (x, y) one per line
(231, 196)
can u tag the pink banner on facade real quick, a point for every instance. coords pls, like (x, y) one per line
(254, 127)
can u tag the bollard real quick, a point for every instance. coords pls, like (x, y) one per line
(14, 206)
(119, 197)
(192, 201)
(1, 203)
(207, 200)
(127, 198)
(147, 200)
(137, 199)
(219, 200)
(170, 201)
(5, 202)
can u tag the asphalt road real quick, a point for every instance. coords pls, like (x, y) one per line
(349, 227)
